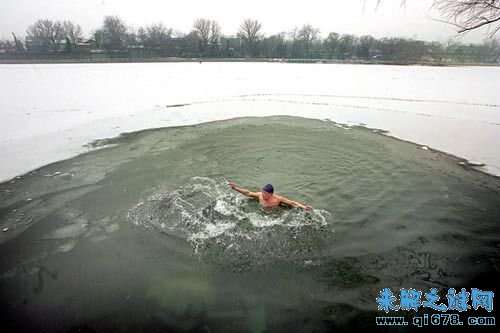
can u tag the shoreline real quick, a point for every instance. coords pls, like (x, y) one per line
(460, 161)
(110, 142)
(14, 61)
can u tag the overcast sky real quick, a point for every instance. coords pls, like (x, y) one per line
(415, 20)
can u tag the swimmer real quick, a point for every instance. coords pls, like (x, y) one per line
(267, 198)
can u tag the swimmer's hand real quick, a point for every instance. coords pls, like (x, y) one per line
(305, 207)
(244, 191)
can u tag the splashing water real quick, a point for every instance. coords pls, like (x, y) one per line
(227, 228)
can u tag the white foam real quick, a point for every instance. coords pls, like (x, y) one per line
(213, 230)
(262, 221)
(218, 212)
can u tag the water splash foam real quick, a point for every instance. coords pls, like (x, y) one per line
(223, 225)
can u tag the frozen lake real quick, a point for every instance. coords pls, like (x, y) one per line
(49, 112)
(147, 233)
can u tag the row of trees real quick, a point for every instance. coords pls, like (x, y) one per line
(206, 40)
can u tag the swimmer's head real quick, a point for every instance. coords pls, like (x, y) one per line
(267, 191)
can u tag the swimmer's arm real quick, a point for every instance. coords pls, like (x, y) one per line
(244, 191)
(294, 203)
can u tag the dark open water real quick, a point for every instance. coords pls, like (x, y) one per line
(145, 235)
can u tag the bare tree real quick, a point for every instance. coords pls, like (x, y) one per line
(215, 33)
(469, 15)
(202, 27)
(45, 34)
(131, 37)
(308, 33)
(250, 33)
(154, 35)
(6, 44)
(306, 36)
(72, 31)
(114, 32)
(19, 45)
(208, 32)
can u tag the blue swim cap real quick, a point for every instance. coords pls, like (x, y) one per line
(268, 188)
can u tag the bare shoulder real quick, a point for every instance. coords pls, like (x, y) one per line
(281, 198)
(284, 200)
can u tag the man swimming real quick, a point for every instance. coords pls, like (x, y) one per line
(267, 198)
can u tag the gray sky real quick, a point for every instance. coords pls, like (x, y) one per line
(415, 20)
